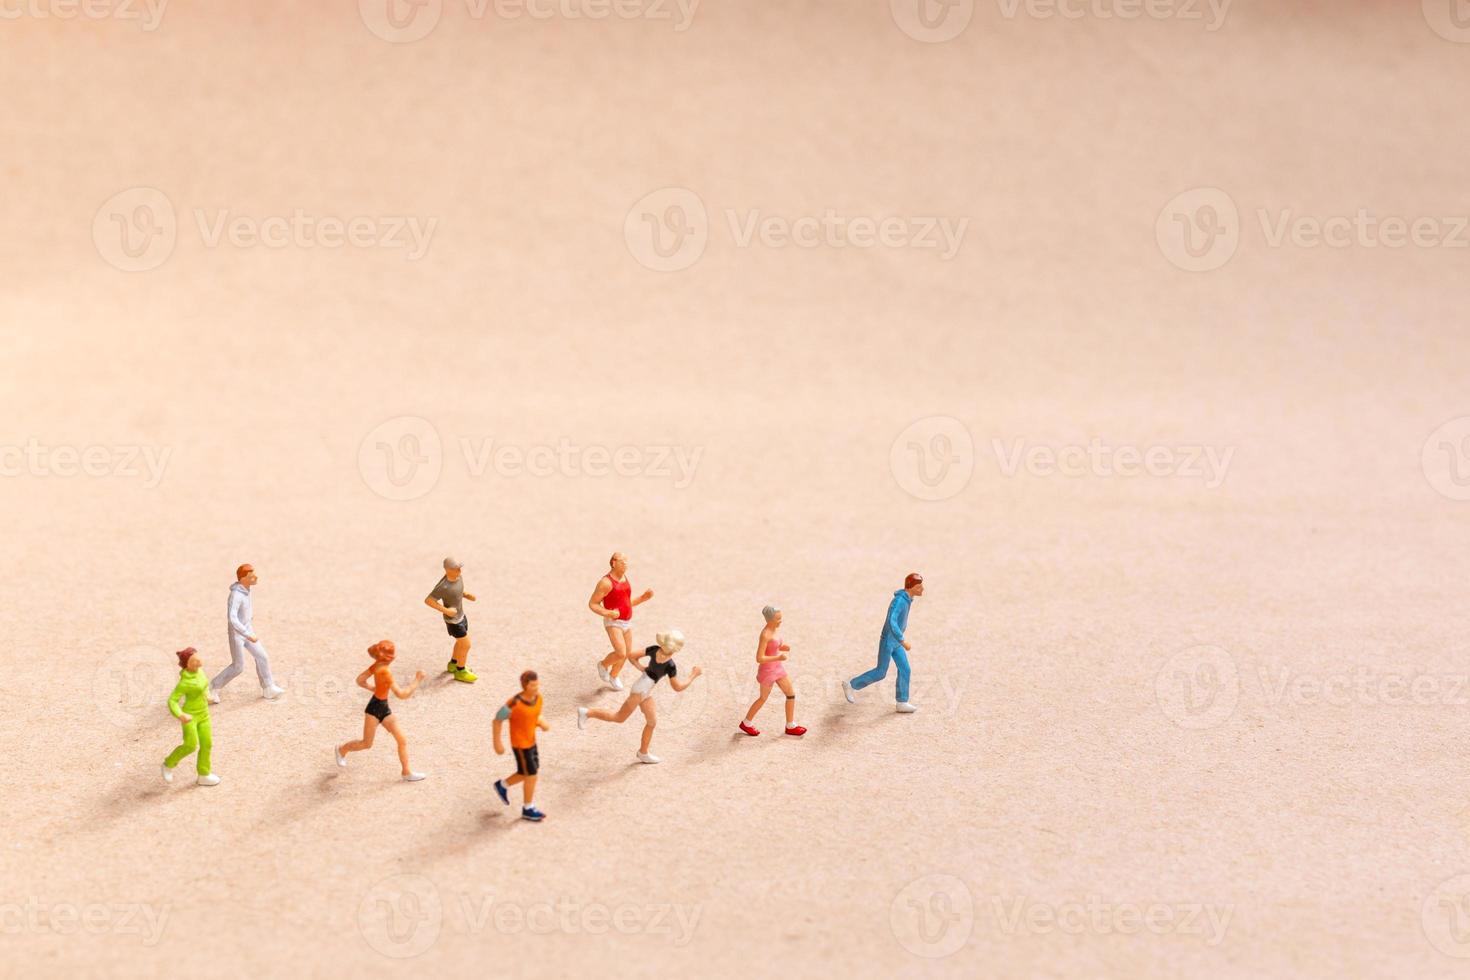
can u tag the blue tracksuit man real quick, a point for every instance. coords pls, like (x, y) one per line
(890, 647)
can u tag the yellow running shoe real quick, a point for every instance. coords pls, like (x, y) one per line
(463, 674)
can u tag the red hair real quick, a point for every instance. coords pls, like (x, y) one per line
(243, 571)
(184, 656)
(381, 647)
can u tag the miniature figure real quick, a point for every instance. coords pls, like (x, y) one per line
(447, 599)
(612, 599)
(893, 646)
(377, 711)
(660, 665)
(194, 715)
(240, 614)
(770, 654)
(524, 714)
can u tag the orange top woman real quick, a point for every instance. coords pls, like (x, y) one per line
(379, 679)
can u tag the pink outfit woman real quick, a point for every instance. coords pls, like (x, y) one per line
(772, 671)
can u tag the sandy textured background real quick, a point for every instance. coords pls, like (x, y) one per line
(1127, 763)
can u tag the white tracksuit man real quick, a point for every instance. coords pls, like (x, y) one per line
(241, 630)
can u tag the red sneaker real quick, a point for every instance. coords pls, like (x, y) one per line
(745, 727)
(796, 730)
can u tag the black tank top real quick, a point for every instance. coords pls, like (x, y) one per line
(658, 671)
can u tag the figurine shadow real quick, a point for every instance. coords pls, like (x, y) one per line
(129, 795)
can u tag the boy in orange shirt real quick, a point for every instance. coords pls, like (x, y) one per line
(524, 714)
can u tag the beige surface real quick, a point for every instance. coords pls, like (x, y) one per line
(1053, 764)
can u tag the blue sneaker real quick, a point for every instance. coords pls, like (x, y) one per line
(531, 813)
(502, 792)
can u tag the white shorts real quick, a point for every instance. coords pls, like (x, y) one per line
(644, 685)
(618, 624)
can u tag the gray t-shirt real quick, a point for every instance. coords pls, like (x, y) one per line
(452, 595)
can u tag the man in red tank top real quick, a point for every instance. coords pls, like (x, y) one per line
(613, 601)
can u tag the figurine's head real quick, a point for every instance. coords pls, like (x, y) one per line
(914, 584)
(246, 576)
(618, 563)
(772, 614)
(530, 685)
(188, 659)
(670, 641)
(383, 651)
(452, 569)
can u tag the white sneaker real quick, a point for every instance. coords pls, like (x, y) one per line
(213, 696)
(341, 759)
(904, 708)
(603, 675)
(167, 773)
(617, 684)
(581, 717)
(413, 777)
(848, 692)
(648, 758)
(271, 693)
(210, 780)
